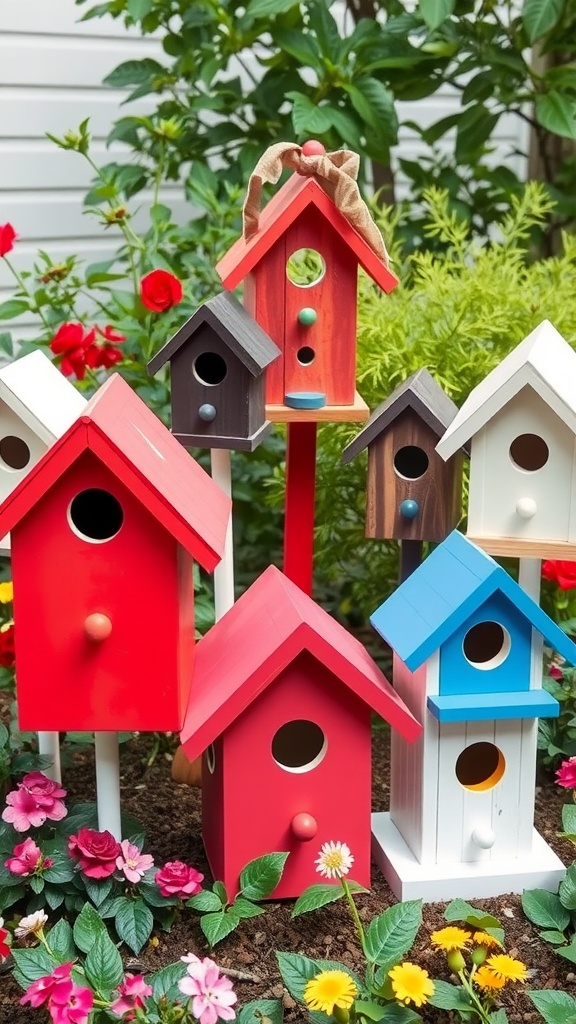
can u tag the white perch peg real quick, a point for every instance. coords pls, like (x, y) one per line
(108, 783)
(49, 746)
(484, 837)
(526, 508)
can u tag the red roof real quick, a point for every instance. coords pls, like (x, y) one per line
(135, 445)
(286, 205)
(261, 635)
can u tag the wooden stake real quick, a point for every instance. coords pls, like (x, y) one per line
(220, 461)
(49, 746)
(299, 508)
(108, 782)
(410, 558)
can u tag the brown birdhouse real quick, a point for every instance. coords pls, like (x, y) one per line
(412, 493)
(217, 361)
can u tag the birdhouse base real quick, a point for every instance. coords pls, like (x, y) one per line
(235, 444)
(481, 879)
(518, 547)
(358, 412)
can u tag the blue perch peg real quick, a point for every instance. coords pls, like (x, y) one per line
(409, 508)
(207, 413)
(307, 316)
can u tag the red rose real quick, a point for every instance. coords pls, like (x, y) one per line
(7, 656)
(160, 290)
(96, 852)
(107, 354)
(560, 572)
(72, 344)
(178, 879)
(7, 236)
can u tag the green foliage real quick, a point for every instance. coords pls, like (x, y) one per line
(555, 913)
(459, 910)
(557, 736)
(317, 896)
(554, 1007)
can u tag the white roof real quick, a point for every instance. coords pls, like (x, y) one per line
(39, 394)
(544, 361)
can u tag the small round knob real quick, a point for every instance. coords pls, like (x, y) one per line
(97, 626)
(307, 316)
(409, 508)
(304, 827)
(526, 508)
(313, 148)
(207, 413)
(483, 836)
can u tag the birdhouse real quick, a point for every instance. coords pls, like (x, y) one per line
(217, 361)
(104, 531)
(300, 271)
(412, 494)
(280, 703)
(521, 420)
(468, 662)
(37, 404)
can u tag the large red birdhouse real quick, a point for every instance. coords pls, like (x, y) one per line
(299, 264)
(104, 531)
(281, 703)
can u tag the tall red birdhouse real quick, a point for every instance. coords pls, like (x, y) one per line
(281, 704)
(298, 259)
(104, 531)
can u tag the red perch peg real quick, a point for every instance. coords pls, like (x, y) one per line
(97, 626)
(304, 827)
(313, 148)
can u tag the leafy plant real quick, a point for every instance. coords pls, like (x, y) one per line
(554, 1007)
(555, 913)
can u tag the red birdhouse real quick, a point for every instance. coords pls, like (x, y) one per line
(104, 531)
(300, 272)
(281, 701)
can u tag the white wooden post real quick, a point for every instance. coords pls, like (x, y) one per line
(108, 782)
(49, 746)
(529, 573)
(224, 572)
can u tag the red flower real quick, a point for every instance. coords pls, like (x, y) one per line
(4, 947)
(178, 879)
(96, 852)
(566, 774)
(7, 656)
(72, 344)
(160, 290)
(7, 237)
(560, 572)
(107, 354)
(111, 334)
(45, 988)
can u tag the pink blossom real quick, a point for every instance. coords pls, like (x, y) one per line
(566, 774)
(44, 988)
(36, 799)
(27, 859)
(178, 879)
(212, 995)
(73, 1007)
(132, 862)
(555, 672)
(96, 852)
(132, 994)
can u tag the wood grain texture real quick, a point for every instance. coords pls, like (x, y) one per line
(355, 413)
(516, 547)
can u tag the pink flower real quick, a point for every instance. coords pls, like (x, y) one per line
(132, 862)
(44, 988)
(132, 994)
(212, 996)
(178, 879)
(566, 774)
(73, 1007)
(27, 859)
(36, 799)
(4, 947)
(555, 672)
(96, 852)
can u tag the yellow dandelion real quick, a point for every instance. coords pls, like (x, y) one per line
(330, 989)
(411, 984)
(507, 968)
(450, 938)
(6, 592)
(485, 939)
(486, 979)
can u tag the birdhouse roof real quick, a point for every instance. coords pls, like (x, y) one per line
(267, 628)
(136, 447)
(420, 393)
(233, 325)
(35, 390)
(441, 594)
(292, 199)
(543, 361)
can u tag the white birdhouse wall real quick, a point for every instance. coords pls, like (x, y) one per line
(522, 474)
(20, 449)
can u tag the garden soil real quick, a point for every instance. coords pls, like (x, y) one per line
(170, 815)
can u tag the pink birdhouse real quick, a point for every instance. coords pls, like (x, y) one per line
(104, 531)
(281, 702)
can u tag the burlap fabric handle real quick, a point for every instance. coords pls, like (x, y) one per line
(335, 172)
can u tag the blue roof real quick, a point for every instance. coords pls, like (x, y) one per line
(441, 594)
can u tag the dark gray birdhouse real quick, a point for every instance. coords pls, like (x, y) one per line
(412, 494)
(217, 363)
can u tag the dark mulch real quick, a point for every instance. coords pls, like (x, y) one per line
(170, 815)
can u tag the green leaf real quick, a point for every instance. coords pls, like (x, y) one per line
(434, 12)
(268, 8)
(296, 971)
(555, 111)
(303, 47)
(103, 965)
(134, 72)
(9, 895)
(245, 909)
(554, 937)
(567, 890)
(324, 26)
(568, 952)
(475, 125)
(62, 870)
(54, 897)
(375, 105)
(261, 876)
(569, 818)
(545, 909)
(88, 927)
(217, 926)
(539, 16)
(554, 1007)
(449, 997)
(138, 9)
(134, 923)
(33, 963)
(391, 935)
(220, 889)
(258, 1010)
(307, 117)
(37, 883)
(98, 889)
(165, 981)
(205, 901)
(12, 308)
(498, 1016)
(317, 896)
(61, 941)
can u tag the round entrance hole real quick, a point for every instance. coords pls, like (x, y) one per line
(95, 514)
(411, 462)
(480, 766)
(486, 645)
(305, 268)
(529, 452)
(305, 355)
(210, 368)
(14, 452)
(299, 746)
(211, 759)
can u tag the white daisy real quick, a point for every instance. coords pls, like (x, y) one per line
(31, 925)
(335, 860)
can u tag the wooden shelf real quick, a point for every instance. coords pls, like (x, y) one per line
(356, 413)
(517, 547)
